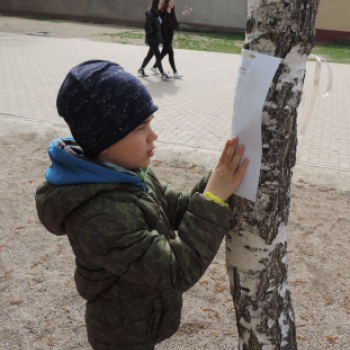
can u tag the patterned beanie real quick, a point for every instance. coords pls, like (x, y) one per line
(102, 103)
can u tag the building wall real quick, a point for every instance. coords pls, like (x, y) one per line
(333, 21)
(206, 13)
(334, 15)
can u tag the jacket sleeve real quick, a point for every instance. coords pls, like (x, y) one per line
(120, 242)
(177, 202)
(148, 25)
(175, 25)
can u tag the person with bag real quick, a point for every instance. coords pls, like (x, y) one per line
(170, 22)
(153, 29)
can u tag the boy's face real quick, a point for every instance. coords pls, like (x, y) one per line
(134, 150)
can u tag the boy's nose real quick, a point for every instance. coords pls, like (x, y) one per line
(154, 136)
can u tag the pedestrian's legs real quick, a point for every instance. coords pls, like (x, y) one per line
(171, 58)
(162, 55)
(167, 50)
(147, 58)
(155, 49)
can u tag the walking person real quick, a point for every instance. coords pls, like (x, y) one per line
(170, 22)
(153, 29)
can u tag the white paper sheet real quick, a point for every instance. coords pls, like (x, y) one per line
(253, 82)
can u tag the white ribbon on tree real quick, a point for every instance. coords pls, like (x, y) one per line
(316, 91)
(317, 79)
(256, 72)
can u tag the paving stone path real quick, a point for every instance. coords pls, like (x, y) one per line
(194, 111)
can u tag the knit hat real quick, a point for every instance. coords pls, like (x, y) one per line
(102, 103)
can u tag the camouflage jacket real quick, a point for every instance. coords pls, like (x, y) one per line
(136, 252)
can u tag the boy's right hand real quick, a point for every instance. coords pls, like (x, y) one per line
(227, 175)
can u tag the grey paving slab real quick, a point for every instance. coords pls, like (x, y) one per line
(194, 111)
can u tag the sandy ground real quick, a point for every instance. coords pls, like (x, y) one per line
(40, 308)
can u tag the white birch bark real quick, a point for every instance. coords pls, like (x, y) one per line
(257, 242)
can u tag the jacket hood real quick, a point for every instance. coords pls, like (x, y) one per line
(72, 180)
(69, 166)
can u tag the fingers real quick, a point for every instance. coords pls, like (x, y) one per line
(231, 151)
(241, 170)
(230, 160)
(237, 159)
(223, 154)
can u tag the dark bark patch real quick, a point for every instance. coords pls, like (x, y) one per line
(254, 342)
(250, 25)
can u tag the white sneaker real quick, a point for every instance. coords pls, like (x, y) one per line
(165, 76)
(155, 70)
(141, 71)
(177, 75)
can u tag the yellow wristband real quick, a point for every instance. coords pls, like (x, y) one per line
(216, 199)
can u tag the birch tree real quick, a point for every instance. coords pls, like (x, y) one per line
(257, 241)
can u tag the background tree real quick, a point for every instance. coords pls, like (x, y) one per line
(257, 242)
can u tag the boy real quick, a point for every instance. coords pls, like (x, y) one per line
(131, 266)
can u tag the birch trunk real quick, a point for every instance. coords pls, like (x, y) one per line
(257, 242)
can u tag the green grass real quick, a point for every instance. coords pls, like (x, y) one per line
(333, 52)
(127, 35)
(233, 42)
(226, 36)
(217, 42)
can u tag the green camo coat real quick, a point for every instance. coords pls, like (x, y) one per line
(132, 267)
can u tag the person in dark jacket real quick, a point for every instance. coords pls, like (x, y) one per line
(170, 22)
(153, 29)
(139, 244)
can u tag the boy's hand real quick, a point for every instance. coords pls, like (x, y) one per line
(227, 175)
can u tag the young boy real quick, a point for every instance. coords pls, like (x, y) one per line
(131, 265)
